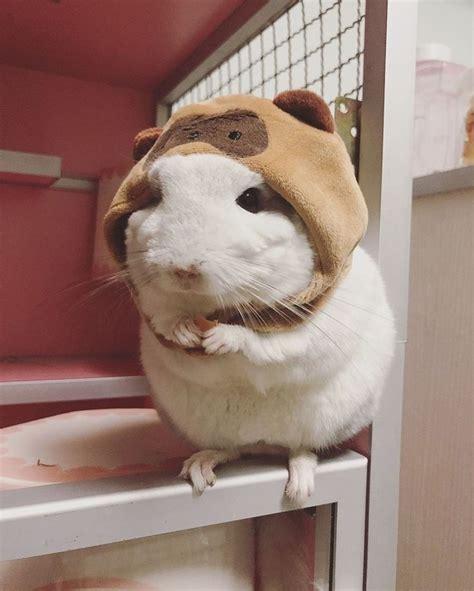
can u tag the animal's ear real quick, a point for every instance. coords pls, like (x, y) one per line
(144, 141)
(306, 106)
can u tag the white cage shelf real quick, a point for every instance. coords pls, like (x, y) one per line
(444, 182)
(55, 518)
(34, 391)
(40, 170)
(31, 169)
(62, 379)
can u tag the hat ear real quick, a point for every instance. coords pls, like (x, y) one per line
(144, 141)
(306, 106)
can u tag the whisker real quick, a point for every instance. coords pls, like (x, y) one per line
(278, 311)
(254, 288)
(239, 307)
(336, 299)
(326, 313)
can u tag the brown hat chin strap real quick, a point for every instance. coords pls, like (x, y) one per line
(264, 320)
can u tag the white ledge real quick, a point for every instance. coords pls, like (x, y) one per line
(75, 184)
(55, 518)
(26, 168)
(444, 182)
(31, 391)
(42, 170)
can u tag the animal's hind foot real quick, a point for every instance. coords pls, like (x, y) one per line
(302, 467)
(199, 468)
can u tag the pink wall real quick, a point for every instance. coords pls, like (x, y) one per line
(91, 125)
(122, 42)
(46, 235)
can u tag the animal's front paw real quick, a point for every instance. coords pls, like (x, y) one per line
(302, 467)
(223, 338)
(199, 468)
(185, 333)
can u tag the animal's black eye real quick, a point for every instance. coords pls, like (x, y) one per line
(250, 200)
(155, 199)
(193, 135)
(234, 135)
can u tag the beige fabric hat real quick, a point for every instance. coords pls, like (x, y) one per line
(292, 143)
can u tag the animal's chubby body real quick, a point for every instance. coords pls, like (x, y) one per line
(302, 388)
(238, 232)
(310, 387)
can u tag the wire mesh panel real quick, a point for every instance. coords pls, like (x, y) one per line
(315, 44)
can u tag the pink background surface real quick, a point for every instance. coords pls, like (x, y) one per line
(48, 310)
(135, 44)
(91, 125)
(47, 236)
(79, 82)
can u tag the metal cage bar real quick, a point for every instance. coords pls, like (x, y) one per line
(270, 10)
(313, 44)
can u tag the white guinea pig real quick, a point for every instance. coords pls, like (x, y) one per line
(217, 237)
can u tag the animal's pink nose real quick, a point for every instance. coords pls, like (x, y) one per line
(191, 272)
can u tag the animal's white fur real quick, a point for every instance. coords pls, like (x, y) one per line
(304, 389)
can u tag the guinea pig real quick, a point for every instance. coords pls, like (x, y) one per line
(217, 237)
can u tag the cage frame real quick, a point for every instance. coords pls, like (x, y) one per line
(386, 138)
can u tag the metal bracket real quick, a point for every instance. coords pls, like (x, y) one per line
(347, 119)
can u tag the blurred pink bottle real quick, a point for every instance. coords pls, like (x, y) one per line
(439, 110)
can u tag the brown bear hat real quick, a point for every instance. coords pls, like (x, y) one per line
(292, 143)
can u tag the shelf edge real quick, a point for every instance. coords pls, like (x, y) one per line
(444, 182)
(32, 391)
(27, 168)
(56, 518)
